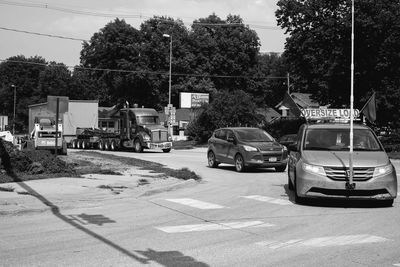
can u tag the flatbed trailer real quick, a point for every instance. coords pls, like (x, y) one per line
(92, 138)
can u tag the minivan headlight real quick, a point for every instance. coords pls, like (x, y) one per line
(314, 169)
(249, 148)
(383, 170)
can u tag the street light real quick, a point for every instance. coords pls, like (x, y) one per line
(170, 65)
(15, 97)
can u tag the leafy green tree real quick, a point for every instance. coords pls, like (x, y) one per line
(319, 49)
(23, 73)
(223, 48)
(268, 82)
(117, 46)
(227, 109)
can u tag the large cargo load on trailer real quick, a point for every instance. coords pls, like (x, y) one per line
(140, 129)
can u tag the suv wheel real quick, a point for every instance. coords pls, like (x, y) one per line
(239, 163)
(211, 160)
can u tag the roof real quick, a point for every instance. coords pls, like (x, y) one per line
(336, 126)
(303, 100)
(73, 101)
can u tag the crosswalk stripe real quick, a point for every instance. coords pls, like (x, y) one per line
(196, 203)
(213, 226)
(269, 199)
(324, 241)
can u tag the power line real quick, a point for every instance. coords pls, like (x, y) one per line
(134, 16)
(145, 71)
(43, 34)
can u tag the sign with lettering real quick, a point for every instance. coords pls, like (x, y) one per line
(326, 113)
(193, 100)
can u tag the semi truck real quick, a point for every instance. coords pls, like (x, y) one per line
(139, 129)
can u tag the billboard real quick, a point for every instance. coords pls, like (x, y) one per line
(193, 100)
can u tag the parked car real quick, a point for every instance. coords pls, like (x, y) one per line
(287, 139)
(246, 147)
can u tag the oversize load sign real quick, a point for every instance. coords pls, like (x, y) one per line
(321, 113)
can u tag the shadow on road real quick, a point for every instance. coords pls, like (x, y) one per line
(166, 258)
(171, 258)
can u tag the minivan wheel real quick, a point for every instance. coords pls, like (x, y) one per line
(239, 163)
(290, 184)
(211, 160)
(297, 199)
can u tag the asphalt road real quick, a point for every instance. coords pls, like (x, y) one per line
(228, 219)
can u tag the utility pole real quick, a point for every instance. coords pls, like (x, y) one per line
(288, 83)
(15, 102)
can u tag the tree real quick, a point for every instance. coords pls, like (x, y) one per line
(319, 48)
(115, 52)
(24, 74)
(223, 48)
(231, 109)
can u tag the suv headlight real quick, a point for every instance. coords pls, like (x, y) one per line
(314, 169)
(249, 148)
(383, 170)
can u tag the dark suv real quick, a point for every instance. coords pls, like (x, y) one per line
(246, 147)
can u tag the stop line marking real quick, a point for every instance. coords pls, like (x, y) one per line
(324, 241)
(269, 200)
(213, 226)
(196, 203)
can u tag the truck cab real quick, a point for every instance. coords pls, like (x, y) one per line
(141, 129)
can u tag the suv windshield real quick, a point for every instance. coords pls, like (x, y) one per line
(147, 120)
(338, 140)
(253, 135)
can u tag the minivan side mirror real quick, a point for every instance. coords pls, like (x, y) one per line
(293, 147)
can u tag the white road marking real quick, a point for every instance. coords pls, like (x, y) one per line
(196, 203)
(324, 241)
(213, 226)
(269, 200)
(396, 264)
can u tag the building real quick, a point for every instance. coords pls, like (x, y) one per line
(302, 100)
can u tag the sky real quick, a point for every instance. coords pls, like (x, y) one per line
(80, 19)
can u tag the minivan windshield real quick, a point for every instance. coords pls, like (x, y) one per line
(253, 135)
(338, 140)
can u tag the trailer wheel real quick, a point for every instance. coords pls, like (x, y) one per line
(84, 144)
(106, 145)
(101, 145)
(113, 145)
(73, 144)
(138, 146)
(79, 144)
